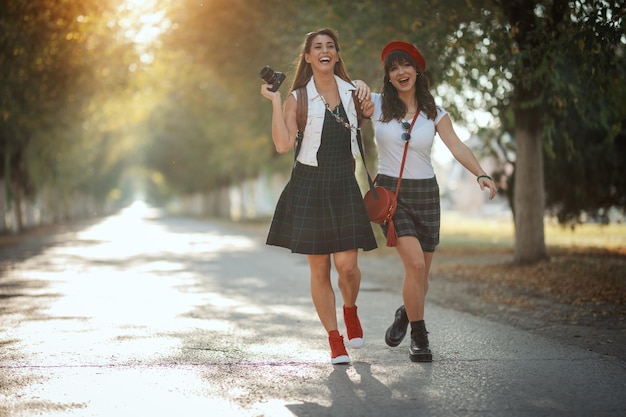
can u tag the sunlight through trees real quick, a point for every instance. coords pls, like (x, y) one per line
(104, 101)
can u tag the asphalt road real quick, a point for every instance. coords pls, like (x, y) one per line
(143, 315)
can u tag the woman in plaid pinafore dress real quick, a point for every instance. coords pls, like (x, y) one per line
(321, 209)
(321, 212)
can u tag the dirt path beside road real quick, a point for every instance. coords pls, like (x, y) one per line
(578, 296)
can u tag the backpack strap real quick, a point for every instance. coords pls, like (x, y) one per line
(302, 108)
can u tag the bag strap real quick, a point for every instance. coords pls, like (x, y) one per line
(406, 148)
(359, 114)
(369, 178)
(359, 110)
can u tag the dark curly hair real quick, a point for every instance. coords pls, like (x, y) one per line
(392, 106)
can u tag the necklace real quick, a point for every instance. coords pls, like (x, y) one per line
(337, 116)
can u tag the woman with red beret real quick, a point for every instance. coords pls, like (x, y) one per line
(405, 110)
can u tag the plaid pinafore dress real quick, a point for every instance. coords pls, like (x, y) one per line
(321, 210)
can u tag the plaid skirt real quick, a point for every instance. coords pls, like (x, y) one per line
(419, 210)
(321, 211)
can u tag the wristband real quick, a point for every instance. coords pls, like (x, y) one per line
(483, 176)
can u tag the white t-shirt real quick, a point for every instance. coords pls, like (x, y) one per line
(388, 138)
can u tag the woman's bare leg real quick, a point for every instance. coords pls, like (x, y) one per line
(322, 290)
(349, 273)
(416, 268)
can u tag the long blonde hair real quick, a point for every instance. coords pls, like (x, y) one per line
(303, 68)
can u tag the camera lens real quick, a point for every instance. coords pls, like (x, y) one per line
(272, 77)
(268, 74)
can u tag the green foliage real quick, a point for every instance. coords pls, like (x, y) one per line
(585, 174)
(562, 64)
(79, 106)
(60, 63)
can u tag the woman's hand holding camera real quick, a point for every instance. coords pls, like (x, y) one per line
(266, 91)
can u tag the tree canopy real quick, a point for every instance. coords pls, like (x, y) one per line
(61, 66)
(87, 99)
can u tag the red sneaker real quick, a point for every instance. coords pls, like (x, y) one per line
(353, 326)
(338, 354)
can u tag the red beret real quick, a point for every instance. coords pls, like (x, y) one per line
(404, 47)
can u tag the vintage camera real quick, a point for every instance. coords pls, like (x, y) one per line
(272, 77)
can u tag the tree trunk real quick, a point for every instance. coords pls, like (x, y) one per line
(3, 207)
(529, 195)
(17, 203)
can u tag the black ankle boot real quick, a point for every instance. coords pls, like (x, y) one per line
(419, 350)
(396, 332)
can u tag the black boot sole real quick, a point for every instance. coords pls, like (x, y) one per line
(422, 357)
(392, 342)
(397, 319)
